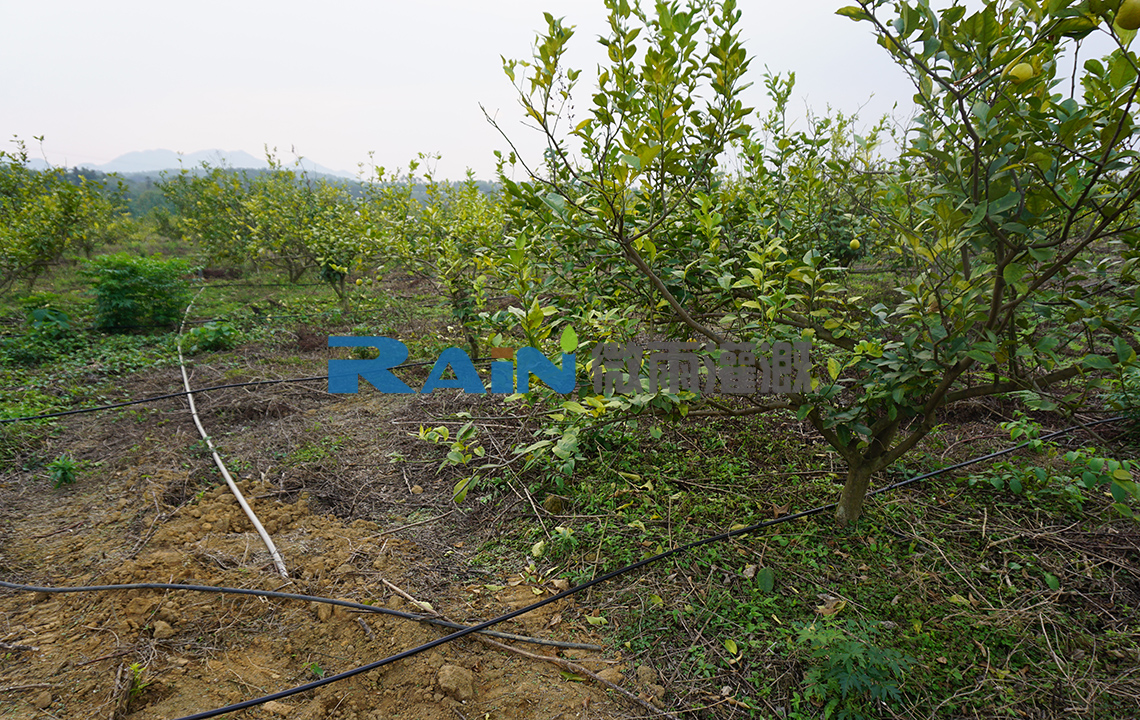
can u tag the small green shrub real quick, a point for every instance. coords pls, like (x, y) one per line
(139, 683)
(210, 337)
(138, 292)
(1087, 471)
(44, 317)
(849, 669)
(1124, 393)
(63, 471)
(49, 322)
(49, 336)
(49, 333)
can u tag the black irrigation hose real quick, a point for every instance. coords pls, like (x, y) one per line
(256, 315)
(608, 576)
(993, 455)
(157, 398)
(201, 390)
(293, 596)
(494, 621)
(212, 285)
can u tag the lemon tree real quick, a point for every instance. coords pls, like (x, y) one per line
(453, 236)
(46, 214)
(1010, 209)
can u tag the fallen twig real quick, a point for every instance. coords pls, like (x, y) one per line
(361, 622)
(447, 622)
(105, 657)
(57, 532)
(420, 522)
(33, 686)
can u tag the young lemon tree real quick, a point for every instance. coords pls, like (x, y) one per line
(1012, 203)
(1016, 202)
(43, 216)
(624, 192)
(299, 224)
(209, 209)
(454, 236)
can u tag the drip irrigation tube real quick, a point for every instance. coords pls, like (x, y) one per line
(997, 454)
(604, 578)
(483, 626)
(155, 398)
(374, 609)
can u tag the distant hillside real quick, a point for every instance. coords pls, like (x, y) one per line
(155, 161)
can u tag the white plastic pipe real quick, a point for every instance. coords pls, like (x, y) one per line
(218, 460)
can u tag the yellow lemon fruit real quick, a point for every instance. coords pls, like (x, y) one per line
(1128, 16)
(854, 244)
(1023, 71)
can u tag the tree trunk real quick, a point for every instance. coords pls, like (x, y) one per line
(851, 500)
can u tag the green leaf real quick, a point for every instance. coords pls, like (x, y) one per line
(1121, 507)
(1097, 362)
(1119, 492)
(1124, 351)
(853, 12)
(459, 494)
(466, 432)
(981, 111)
(1013, 273)
(534, 446)
(833, 368)
(1122, 489)
(999, 206)
(569, 341)
(1052, 582)
(730, 646)
(977, 216)
(555, 201)
(1075, 27)
(766, 579)
(981, 356)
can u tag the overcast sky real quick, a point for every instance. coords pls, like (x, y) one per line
(339, 79)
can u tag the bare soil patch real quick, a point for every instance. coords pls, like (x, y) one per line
(149, 507)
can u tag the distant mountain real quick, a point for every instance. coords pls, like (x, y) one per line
(145, 161)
